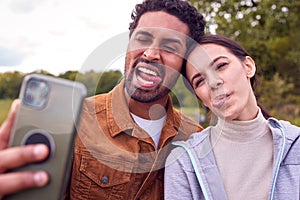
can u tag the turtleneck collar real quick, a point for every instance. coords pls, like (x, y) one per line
(241, 131)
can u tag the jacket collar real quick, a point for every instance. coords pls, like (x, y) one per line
(118, 114)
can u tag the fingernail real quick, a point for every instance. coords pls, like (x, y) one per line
(40, 178)
(39, 151)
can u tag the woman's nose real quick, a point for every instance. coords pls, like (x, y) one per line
(215, 81)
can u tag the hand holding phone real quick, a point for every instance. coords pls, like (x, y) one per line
(49, 113)
(14, 157)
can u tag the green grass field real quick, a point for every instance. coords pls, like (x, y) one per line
(191, 112)
(5, 106)
(4, 109)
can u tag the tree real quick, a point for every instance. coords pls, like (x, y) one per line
(90, 80)
(267, 29)
(270, 31)
(10, 83)
(107, 81)
(70, 75)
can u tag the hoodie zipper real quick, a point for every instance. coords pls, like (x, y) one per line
(279, 161)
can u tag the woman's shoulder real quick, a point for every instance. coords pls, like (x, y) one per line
(289, 129)
(289, 126)
(291, 135)
(195, 139)
(292, 144)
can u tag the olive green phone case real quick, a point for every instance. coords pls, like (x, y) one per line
(49, 113)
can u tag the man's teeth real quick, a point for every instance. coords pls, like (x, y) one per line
(147, 71)
(144, 81)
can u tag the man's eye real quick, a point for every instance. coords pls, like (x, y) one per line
(169, 48)
(143, 40)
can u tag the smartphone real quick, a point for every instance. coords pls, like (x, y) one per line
(50, 114)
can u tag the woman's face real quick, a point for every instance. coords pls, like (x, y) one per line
(222, 81)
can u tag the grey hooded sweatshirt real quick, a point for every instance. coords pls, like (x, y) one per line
(192, 173)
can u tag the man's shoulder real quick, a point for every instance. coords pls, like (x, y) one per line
(95, 104)
(187, 124)
(101, 102)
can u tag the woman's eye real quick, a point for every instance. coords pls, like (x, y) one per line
(221, 65)
(198, 82)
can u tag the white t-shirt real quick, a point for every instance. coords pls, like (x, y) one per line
(152, 127)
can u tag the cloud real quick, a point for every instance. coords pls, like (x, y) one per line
(57, 35)
(10, 57)
(24, 6)
(93, 24)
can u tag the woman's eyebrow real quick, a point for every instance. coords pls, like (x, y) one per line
(210, 64)
(216, 59)
(195, 76)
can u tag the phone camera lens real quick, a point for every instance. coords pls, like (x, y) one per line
(36, 93)
(29, 98)
(32, 85)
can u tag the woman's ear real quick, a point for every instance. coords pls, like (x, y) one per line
(250, 66)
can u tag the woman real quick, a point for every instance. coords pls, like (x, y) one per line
(245, 155)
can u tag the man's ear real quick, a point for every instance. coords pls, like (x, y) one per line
(250, 66)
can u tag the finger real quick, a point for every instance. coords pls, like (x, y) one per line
(18, 156)
(14, 182)
(7, 125)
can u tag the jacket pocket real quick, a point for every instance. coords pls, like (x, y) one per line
(105, 181)
(101, 174)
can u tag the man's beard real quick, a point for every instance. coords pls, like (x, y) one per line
(142, 95)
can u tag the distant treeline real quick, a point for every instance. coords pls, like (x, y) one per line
(278, 97)
(96, 82)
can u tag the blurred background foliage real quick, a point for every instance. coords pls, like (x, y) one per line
(270, 32)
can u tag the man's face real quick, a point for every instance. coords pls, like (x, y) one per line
(155, 55)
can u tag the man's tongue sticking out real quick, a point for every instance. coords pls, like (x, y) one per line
(148, 77)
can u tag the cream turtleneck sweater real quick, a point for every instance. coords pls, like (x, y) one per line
(244, 155)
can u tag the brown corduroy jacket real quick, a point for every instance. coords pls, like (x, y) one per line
(114, 158)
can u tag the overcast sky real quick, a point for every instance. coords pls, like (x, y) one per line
(57, 35)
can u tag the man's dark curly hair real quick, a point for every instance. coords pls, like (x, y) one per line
(179, 8)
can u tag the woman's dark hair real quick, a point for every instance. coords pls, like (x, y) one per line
(178, 8)
(236, 49)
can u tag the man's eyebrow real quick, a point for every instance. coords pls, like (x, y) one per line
(144, 33)
(216, 59)
(165, 40)
(173, 40)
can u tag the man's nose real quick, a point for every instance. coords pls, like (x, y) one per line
(152, 54)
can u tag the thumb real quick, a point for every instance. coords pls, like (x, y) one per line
(6, 127)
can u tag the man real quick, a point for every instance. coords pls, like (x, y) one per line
(125, 135)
